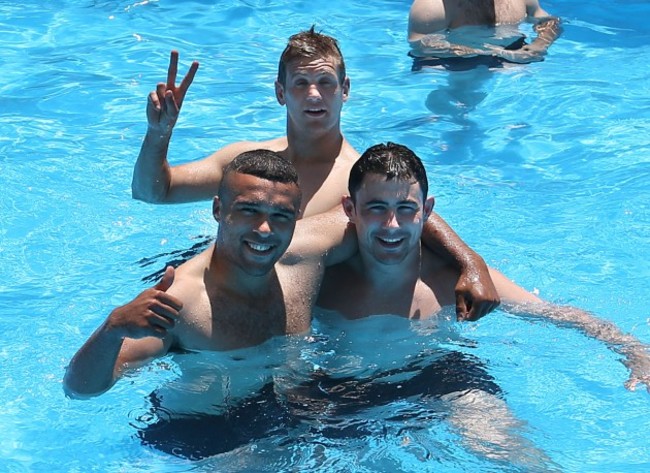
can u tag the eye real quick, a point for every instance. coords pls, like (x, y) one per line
(327, 81)
(248, 210)
(407, 209)
(282, 217)
(300, 82)
(376, 209)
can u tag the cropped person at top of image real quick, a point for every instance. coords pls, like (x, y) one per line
(487, 30)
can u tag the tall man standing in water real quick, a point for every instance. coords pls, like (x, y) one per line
(313, 85)
(486, 30)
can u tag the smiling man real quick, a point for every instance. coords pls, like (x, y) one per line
(393, 273)
(242, 291)
(313, 86)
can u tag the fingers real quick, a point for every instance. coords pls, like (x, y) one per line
(161, 88)
(172, 70)
(461, 308)
(189, 77)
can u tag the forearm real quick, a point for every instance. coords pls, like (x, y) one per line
(152, 173)
(437, 45)
(573, 317)
(635, 353)
(442, 240)
(547, 30)
(92, 369)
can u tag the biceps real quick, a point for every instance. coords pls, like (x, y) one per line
(137, 353)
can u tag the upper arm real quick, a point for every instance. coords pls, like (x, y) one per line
(426, 17)
(509, 291)
(136, 353)
(327, 237)
(200, 180)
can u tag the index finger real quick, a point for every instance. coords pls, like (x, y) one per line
(172, 70)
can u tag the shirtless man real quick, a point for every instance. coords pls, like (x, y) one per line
(313, 85)
(480, 29)
(392, 273)
(239, 293)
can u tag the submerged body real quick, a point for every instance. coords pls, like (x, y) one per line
(480, 28)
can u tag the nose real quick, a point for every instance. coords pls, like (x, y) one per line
(313, 93)
(263, 227)
(391, 220)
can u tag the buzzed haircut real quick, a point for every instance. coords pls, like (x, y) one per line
(265, 164)
(391, 160)
(310, 45)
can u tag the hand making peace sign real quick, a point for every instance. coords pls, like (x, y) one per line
(164, 103)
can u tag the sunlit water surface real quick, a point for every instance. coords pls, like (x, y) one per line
(542, 168)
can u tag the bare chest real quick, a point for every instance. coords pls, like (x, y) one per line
(229, 323)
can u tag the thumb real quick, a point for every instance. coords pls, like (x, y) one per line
(167, 279)
(461, 308)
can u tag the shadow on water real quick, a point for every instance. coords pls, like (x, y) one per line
(173, 258)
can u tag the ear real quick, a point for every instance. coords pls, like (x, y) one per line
(346, 88)
(428, 207)
(216, 208)
(348, 207)
(279, 93)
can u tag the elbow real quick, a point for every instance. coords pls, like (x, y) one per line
(141, 194)
(73, 392)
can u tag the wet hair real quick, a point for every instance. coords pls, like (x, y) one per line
(310, 45)
(392, 161)
(265, 164)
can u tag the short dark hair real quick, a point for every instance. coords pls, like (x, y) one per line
(391, 160)
(310, 45)
(265, 164)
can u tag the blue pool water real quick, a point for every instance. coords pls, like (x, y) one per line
(542, 168)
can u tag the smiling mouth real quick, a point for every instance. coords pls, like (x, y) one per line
(315, 111)
(390, 242)
(261, 248)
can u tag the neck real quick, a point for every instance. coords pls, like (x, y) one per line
(304, 145)
(223, 275)
(387, 276)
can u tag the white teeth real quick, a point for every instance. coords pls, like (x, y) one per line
(258, 247)
(391, 240)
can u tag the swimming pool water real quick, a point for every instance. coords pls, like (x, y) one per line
(543, 169)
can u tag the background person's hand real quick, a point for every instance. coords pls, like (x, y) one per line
(164, 103)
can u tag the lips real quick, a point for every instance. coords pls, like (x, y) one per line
(390, 242)
(315, 111)
(260, 248)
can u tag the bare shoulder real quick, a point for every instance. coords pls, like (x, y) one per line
(426, 17)
(229, 152)
(189, 277)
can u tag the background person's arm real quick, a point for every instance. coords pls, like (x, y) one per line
(154, 180)
(546, 27)
(520, 302)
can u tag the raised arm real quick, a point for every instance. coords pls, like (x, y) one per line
(130, 336)
(476, 295)
(520, 302)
